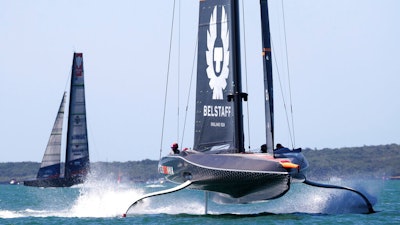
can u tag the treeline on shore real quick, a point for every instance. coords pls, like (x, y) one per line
(374, 162)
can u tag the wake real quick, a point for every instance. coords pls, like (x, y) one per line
(98, 199)
(314, 200)
(106, 198)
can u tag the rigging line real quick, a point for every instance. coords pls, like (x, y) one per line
(190, 85)
(190, 88)
(288, 74)
(179, 68)
(68, 80)
(283, 96)
(66, 107)
(166, 85)
(245, 71)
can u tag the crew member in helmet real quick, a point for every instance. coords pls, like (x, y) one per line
(281, 149)
(279, 146)
(174, 148)
(263, 148)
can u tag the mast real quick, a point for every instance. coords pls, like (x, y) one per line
(237, 95)
(268, 81)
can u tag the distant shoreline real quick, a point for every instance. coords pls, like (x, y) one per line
(375, 162)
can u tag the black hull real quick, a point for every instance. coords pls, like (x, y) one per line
(238, 178)
(56, 182)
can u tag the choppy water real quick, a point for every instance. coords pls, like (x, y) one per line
(105, 202)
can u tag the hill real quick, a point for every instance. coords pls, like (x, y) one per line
(364, 162)
(137, 171)
(361, 162)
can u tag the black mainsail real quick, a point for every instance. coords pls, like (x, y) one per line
(217, 127)
(77, 153)
(77, 150)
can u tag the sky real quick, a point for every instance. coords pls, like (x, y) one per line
(341, 61)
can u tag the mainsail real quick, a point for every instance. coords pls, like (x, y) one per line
(77, 153)
(50, 167)
(218, 125)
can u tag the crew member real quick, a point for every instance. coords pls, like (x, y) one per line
(280, 149)
(174, 148)
(279, 146)
(263, 148)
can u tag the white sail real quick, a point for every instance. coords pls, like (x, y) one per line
(50, 166)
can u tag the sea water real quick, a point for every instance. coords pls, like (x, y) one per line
(104, 202)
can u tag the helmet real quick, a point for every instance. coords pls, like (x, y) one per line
(174, 145)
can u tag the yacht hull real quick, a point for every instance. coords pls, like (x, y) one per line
(55, 182)
(238, 178)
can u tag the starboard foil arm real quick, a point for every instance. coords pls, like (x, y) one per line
(163, 192)
(315, 184)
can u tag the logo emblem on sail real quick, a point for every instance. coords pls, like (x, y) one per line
(78, 65)
(77, 120)
(217, 54)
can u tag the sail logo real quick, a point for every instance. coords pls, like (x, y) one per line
(217, 54)
(217, 111)
(77, 120)
(78, 65)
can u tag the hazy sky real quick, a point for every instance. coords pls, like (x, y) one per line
(343, 61)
